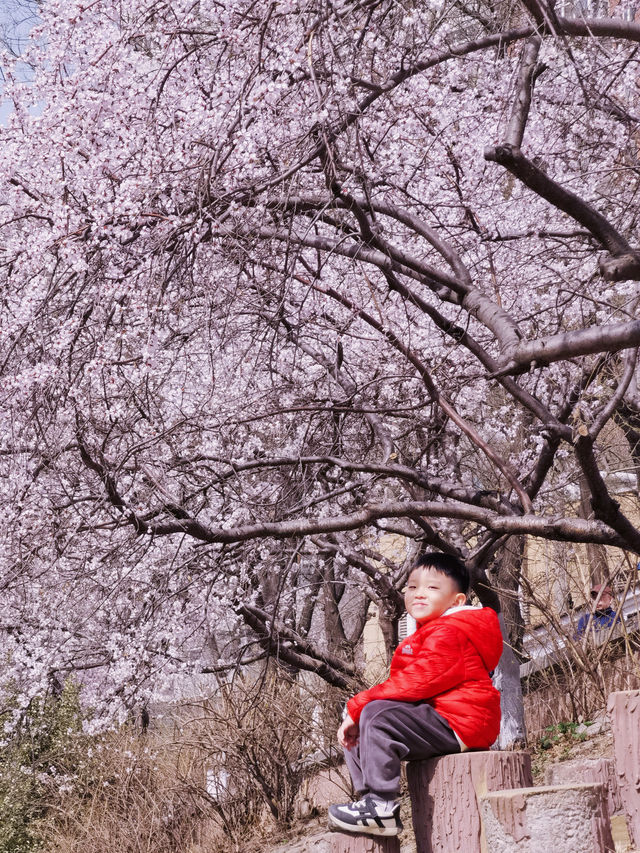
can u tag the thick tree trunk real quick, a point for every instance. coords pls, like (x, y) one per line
(506, 677)
(508, 568)
(596, 554)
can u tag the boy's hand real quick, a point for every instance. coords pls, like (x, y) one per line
(348, 733)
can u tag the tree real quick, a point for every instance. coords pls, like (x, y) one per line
(282, 279)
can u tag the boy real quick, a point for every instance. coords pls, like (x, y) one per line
(438, 698)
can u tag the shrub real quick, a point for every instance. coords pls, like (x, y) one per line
(66, 791)
(258, 738)
(129, 796)
(42, 746)
(217, 775)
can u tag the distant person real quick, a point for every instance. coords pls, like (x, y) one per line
(438, 698)
(603, 614)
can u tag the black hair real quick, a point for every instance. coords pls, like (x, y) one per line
(447, 565)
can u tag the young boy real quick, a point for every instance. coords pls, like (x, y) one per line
(438, 698)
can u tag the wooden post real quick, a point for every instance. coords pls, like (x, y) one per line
(624, 708)
(554, 819)
(444, 791)
(346, 842)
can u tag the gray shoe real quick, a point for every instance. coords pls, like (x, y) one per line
(366, 816)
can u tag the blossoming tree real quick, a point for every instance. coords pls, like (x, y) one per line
(283, 278)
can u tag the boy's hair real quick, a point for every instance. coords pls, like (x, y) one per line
(447, 565)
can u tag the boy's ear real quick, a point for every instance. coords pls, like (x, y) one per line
(460, 599)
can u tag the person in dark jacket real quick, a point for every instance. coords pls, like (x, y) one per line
(438, 699)
(603, 615)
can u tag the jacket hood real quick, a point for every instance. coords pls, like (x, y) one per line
(482, 628)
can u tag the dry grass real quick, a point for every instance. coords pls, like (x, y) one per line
(130, 796)
(221, 774)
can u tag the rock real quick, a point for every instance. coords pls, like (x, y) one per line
(319, 842)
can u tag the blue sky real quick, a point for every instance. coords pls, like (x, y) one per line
(16, 19)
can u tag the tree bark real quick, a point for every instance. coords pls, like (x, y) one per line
(506, 678)
(596, 554)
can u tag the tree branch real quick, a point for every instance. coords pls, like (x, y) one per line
(524, 89)
(550, 527)
(389, 260)
(605, 508)
(615, 400)
(436, 395)
(620, 268)
(275, 640)
(388, 596)
(566, 345)
(531, 176)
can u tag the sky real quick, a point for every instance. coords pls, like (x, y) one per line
(16, 19)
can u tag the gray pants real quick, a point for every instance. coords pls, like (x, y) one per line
(392, 732)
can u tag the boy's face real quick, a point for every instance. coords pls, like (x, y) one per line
(429, 593)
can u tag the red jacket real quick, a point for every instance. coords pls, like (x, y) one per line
(447, 662)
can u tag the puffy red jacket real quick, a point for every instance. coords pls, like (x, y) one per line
(447, 663)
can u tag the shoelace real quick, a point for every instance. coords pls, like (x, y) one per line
(367, 804)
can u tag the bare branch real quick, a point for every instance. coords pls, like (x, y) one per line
(310, 660)
(568, 345)
(531, 176)
(549, 527)
(631, 360)
(524, 88)
(620, 268)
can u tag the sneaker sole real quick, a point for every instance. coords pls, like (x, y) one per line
(336, 824)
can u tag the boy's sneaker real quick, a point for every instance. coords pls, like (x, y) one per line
(366, 816)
